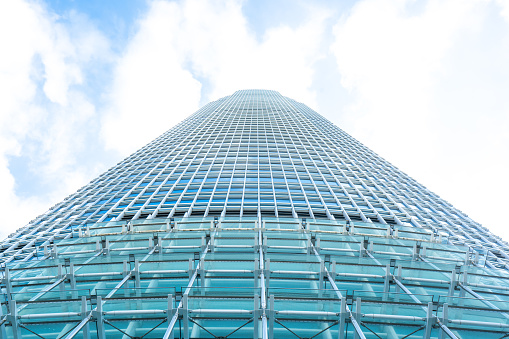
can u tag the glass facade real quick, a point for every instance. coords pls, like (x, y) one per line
(254, 218)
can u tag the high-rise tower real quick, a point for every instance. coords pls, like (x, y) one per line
(254, 218)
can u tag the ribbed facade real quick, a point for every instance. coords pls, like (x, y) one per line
(254, 218)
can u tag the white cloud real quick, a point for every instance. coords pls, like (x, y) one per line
(180, 46)
(223, 50)
(40, 114)
(47, 117)
(151, 90)
(430, 82)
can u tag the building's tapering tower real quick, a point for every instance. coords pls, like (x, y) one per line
(254, 218)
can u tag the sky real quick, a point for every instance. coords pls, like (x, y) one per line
(424, 83)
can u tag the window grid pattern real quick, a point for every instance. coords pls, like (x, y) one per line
(254, 198)
(259, 153)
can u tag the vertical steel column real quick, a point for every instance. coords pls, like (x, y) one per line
(126, 272)
(399, 273)
(272, 315)
(72, 281)
(169, 314)
(358, 314)
(62, 284)
(201, 273)
(256, 314)
(453, 284)
(99, 318)
(320, 278)
(3, 334)
(444, 319)
(212, 238)
(137, 282)
(256, 273)
(185, 315)
(342, 319)
(13, 318)
(84, 315)
(387, 281)
(362, 250)
(262, 244)
(191, 268)
(8, 286)
(465, 282)
(430, 320)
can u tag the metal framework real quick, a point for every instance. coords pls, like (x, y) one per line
(254, 218)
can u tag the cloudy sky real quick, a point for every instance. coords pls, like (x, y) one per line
(425, 84)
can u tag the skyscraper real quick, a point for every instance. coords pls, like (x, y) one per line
(254, 218)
